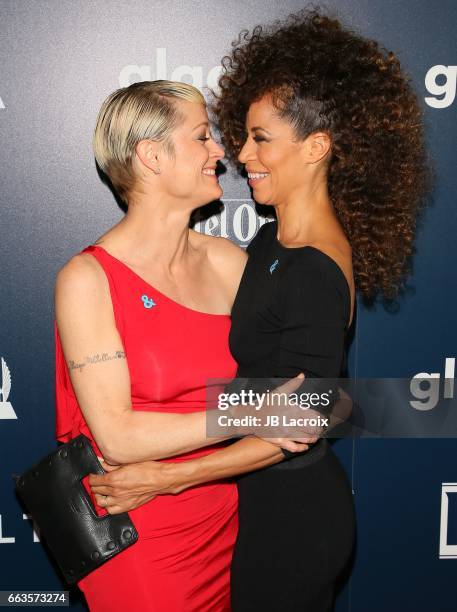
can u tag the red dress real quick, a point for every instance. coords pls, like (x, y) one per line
(181, 561)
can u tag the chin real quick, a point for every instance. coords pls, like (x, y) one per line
(260, 200)
(218, 193)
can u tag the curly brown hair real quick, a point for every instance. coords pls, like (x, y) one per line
(323, 77)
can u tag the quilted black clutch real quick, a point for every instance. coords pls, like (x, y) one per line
(79, 540)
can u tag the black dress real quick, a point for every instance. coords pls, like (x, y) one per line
(296, 518)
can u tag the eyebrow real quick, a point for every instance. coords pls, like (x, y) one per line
(260, 128)
(205, 123)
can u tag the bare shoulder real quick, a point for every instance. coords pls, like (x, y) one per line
(226, 251)
(81, 278)
(226, 261)
(221, 251)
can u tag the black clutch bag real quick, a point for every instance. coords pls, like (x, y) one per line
(52, 491)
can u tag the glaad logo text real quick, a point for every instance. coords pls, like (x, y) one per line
(427, 399)
(132, 73)
(446, 89)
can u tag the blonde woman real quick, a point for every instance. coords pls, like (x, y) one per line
(142, 321)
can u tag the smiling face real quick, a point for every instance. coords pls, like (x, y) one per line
(190, 173)
(272, 154)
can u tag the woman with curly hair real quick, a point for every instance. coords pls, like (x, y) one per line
(330, 133)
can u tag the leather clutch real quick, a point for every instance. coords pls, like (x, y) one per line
(52, 491)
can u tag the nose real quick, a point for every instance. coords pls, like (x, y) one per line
(247, 152)
(216, 151)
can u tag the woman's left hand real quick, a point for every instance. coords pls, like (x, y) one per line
(125, 487)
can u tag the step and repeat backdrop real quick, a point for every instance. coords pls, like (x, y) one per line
(59, 60)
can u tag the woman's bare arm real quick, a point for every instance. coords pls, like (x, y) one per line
(100, 376)
(130, 486)
(127, 487)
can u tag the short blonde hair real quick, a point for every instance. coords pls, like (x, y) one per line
(144, 110)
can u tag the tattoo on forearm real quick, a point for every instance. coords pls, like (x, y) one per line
(72, 365)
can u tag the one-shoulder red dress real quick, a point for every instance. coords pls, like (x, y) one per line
(181, 561)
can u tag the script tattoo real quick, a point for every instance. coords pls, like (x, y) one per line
(72, 365)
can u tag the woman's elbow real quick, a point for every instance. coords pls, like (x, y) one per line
(109, 451)
(119, 449)
(116, 445)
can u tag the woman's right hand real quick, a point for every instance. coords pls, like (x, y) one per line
(297, 445)
(341, 412)
(297, 440)
(125, 487)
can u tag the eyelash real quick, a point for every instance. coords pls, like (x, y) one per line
(204, 138)
(260, 139)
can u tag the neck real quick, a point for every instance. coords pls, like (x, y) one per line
(304, 214)
(155, 230)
